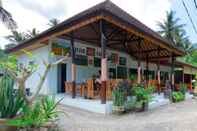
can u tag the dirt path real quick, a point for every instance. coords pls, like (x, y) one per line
(173, 117)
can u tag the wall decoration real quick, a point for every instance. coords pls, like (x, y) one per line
(90, 51)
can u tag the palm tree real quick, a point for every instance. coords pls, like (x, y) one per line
(6, 18)
(170, 26)
(16, 37)
(174, 32)
(32, 33)
(53, 22)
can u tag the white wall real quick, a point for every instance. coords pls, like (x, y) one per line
(83, 72)
(38, 55)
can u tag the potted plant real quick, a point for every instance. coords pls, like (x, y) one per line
(118, 100)
(10, 102)
(143, 96)
(177, 96)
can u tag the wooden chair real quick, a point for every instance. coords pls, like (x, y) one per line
(68, 87)
(90, 89)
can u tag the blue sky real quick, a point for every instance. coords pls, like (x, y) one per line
(36, 13)
(178, 7)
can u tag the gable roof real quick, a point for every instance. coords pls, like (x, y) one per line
(104, 8)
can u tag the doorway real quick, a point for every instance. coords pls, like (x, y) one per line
(61, 77)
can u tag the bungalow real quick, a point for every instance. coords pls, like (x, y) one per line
(102, 38)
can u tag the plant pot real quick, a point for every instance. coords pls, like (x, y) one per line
(118, 109)
(5, 127)
(145, 106)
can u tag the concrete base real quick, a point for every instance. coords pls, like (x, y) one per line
(86, 104)
(96, 106)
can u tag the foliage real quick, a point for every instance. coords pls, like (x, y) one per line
(133, 77)
(16, 37)
(43, 111)
(183, 88)
(10, 101)
(174, 32)
(53, 22)
(130, 104)
(178, 96)
(143, 94)
(118, 97)
(6, 18)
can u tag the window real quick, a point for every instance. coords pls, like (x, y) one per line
(133, 74)
(121, 72)
(151, 74)
(81, 60)
(97, 62)
(112, 73)
(122, 61)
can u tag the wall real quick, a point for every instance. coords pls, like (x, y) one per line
(38, 55)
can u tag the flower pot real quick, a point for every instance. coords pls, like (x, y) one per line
(145, 106)
(118, 109)
(5, 127)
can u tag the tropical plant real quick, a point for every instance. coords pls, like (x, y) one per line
(43, 111)
(32, 33)
(118, 97)
(183, 88)
(20, 75)
(142, 94)
(16, 37)
(174, 32)
(10, 101)
(177, 96)
(53, 22)
(6, 18)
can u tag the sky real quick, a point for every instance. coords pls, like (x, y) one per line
(36, 13)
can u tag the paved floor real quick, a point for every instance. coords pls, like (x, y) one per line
(173, 117)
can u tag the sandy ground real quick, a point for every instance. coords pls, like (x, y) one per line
(173, 117)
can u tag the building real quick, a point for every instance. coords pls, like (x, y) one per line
(104, 38)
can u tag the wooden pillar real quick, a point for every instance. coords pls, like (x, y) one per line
(139, 64)
(103, 63)
(158, 73)
(183, 78)
(147, 70)
(73, 67)
(158, 77)
(172, 72)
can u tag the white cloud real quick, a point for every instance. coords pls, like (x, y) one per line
(36, 13)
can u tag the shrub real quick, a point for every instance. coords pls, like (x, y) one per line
(10, 101)
(177, 96)
(35, 116)
(143, 95)
(118, 97)
(183, 88)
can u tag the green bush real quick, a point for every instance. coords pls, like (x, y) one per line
(143, 94)
(118, 97)
(178, 96)
(10, 101)
(35, 116)
(183, 88)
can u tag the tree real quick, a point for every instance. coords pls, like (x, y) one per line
(16, 37)
(6, 18)
(32, 33)
(20, 75)
(174, 32)
(53, 22)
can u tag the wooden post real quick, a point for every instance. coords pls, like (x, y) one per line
(183, 78)
(172, 72)
(139, 64)
(73, 67)
(103, 64)
(147, 70)
(158, 73)
(158, 77)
